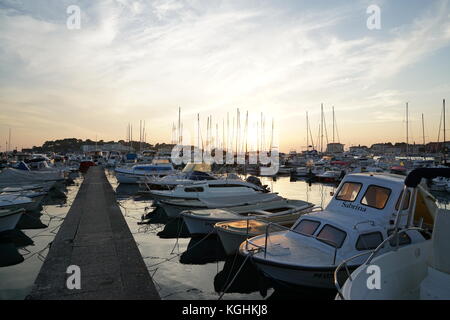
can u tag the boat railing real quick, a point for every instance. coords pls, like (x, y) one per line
(372, 253)
(291, 229)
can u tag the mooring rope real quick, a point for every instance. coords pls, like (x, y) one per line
(234, 278)
(179, 254)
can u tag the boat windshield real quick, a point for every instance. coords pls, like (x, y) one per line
(307, 227)
(332, 236)
(349, 191)
(376, 197)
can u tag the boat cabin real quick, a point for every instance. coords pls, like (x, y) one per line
(362, 213)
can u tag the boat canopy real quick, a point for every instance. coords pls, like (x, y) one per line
(413, 179)
(201, 167)
(160, 161)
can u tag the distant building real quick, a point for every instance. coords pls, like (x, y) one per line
(335, 148)
(105, 147)
(359, 149)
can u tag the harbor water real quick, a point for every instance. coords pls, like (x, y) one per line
(25, 248)
(181, 267)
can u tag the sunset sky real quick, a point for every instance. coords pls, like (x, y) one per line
(141, 60)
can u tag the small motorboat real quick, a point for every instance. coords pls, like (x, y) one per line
(192, 172)
(203, 221)
(419, 271)
(174, 207)
(136, 173)
(14, 202)
(209, 189)
(9, 218)
(233, 233)
(330, 176)
(366, 209)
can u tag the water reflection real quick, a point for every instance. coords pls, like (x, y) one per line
(240, 276)
(23, 249)
(197, 268)
(173, 228)
(202, 250)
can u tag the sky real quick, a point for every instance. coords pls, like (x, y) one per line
(134, 60)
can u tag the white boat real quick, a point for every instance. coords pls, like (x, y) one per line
(113, 160)
(301, 171)
(44, 187)
(439, 184)
(207, 189)
(9, 219)
(15, 176)
(330, 176)
(136, 173)
(359, 217)
(36, 196)
(13, 202)
(192, 172)
(419, 271)
(203, 221)
(253, 220)
(174, 207)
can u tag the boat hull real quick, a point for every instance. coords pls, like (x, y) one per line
(301, 277)
(174, 211)
(199, 226)
(9, 221)
(231, 241)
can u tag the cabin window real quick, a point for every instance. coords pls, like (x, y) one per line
(406, 204)
(369, 241)
(403, 239)
(307, 227)
(332, 236)
(193, 189)
(349, 191)
(376, 197)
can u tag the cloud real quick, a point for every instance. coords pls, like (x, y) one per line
(136, 60)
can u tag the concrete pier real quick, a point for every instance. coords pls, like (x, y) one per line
(95, 237)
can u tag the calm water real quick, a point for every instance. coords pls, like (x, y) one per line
(197, 268)
(181, 267)
(30, 243)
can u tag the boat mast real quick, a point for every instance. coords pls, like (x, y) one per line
(333, 124)
(407, 132)
(198, 131)
(443, 106)
(307, 132)
(423, 136)
(9, 140)
(321, 128)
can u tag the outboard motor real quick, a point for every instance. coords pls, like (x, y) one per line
(256, 181)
